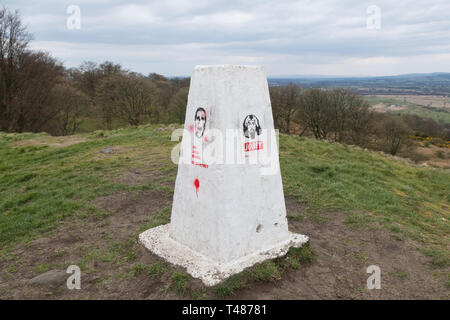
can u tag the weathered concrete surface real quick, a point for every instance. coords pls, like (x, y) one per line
(232, 215)
(199, 266)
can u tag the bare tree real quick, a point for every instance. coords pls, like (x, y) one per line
(127, 96)
(314, 113)
(157, 77)
(358, 119)
(38, 74)
(26, 79)
(166, 91)
(395, 133)
(177, 106)
(87, 77)
(70, 104)
(285, 103)
(338, 115)
(14, 40)
(338, 103)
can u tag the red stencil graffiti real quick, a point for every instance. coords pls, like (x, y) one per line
(197, 186)
(196, 158)
(254, 145)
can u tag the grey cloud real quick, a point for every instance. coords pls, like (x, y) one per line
(278, 33)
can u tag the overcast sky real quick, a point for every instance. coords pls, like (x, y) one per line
(287, 37)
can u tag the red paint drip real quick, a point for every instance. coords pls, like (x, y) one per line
(205, 138)
(191, 128)
(197, 186)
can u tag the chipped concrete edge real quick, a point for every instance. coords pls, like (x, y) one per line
(158, 241)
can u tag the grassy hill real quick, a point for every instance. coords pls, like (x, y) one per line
(48, 181)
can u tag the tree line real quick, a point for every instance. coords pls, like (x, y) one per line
(343, 116)
(37, 93)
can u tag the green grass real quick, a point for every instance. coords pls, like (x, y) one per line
(137, 269)
(41, 186)
(180, 282)
(152, 270)
(357, 220)
(426, 112)
(266, 272)
(303, 255)
(229, 286)
(157, 219)
(156, 269)
(439, 256)
(399, 195)
(388, 101)
(89, 124)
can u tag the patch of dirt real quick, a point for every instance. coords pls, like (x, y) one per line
(81, 239)
(342, 255)
(52, 141)
(431, 152)
(141, 175)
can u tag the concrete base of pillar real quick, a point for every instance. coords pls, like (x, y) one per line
(158, 241)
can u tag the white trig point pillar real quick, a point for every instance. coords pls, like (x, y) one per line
(228, 208)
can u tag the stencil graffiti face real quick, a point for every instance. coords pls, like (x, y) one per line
(200, 122)
(251, 126)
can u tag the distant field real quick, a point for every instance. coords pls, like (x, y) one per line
(434, 107)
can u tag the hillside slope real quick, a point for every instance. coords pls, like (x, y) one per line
(49, 184)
